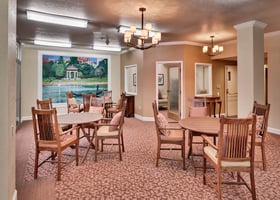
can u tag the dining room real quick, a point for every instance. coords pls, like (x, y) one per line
(257, 68)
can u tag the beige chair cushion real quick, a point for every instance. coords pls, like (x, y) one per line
(72, 102)
(96, 110)
(104, 131)
(211, 152)
(115, 121)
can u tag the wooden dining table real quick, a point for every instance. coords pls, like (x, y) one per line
(198, 126)
(80, 119)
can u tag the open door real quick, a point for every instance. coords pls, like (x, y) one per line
(173, 92)
(169, 87)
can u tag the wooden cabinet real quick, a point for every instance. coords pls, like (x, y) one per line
(129, 112)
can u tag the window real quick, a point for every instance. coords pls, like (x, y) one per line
(203, 79)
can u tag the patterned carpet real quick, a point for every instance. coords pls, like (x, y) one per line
(136, 177)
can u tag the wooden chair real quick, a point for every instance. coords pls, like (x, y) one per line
(72, 105)
(234, 153)
(47, 104)
(49, 136)
(197, 108)
(113, 108)
(86, 101)
(110, 129)
(107, 96)
(168, 134)
(44, 104)
(262, 112)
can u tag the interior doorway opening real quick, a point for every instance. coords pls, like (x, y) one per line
(169, 88)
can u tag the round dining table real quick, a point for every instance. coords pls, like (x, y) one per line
(81, 119)
(204, 125)
(198, 126)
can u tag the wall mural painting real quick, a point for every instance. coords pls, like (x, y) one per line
(81, 75)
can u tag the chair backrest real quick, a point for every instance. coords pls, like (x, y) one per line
(44, 104)
(262, 122)
(235, 142)
(158, 123)
(45, 125)
(197, 107)
(96, 105)
(86, 101)
(107, 96)
(123, 114)
(122, 99)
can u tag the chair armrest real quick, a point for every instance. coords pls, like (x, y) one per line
(207, 141)
(70, 130)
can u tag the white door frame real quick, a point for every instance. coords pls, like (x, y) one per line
(158, 63)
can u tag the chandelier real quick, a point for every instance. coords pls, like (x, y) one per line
(213, 50)
(141, 38)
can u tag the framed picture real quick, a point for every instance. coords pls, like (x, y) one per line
(134, 79)
(160, 79)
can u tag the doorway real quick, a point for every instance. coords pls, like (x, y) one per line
(169, 87)
(231, 93)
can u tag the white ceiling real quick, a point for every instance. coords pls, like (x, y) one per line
(178, 20)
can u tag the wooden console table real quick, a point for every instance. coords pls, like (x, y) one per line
(211, 101)
(129, 112)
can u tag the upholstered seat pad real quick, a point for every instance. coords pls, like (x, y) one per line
(175, 135)
(66, 140)
(212, 153)
(104, 131)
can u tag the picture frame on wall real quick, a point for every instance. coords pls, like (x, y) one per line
(160, 79)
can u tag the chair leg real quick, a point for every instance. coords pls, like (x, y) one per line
(120, 149)
(219, 179)
(190, 144)
(36, 164)
(77, 152)
(59, 165)
(253, 188)
(263, 156)
(184, 156)
(122, 142)
(158, 154)
(96, 148)
(204, 170)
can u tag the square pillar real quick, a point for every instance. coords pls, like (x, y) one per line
(250, 65)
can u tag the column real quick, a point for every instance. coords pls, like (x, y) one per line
(250, 65)
(8, 98)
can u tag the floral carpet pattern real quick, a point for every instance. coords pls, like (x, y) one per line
(137, 177)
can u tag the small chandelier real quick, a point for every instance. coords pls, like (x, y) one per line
(213, 50)
(143, 38)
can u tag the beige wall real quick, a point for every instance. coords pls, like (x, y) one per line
(8, 98)
(272, 48)
(147, 72)
(30, 67)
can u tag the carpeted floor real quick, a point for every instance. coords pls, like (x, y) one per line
(136, 177)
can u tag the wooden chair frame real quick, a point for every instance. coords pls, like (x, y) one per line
(234, 153)
(48, 136)
(162, 139)
(262, 109)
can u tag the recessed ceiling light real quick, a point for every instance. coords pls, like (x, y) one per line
(52, 43)
(106, 48)
(56, 19)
